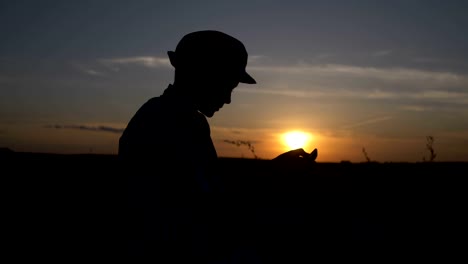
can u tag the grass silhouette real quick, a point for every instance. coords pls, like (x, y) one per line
(77, 202)
(430, 148)
(247, 143)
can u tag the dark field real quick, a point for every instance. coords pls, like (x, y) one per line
(74, 206)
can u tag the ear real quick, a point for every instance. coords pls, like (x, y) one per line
(172, 58)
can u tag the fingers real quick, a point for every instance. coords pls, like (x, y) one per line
(300, 152)
(292, 154)
(313, 155)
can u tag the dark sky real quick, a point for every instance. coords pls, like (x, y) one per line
(90, 29)
(355, 73)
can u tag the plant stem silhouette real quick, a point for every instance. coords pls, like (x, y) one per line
(430, 148)
(243, 142)
(365, 155)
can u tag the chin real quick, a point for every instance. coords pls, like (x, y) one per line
(208, 113)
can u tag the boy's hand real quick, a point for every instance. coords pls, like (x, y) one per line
(297, 154)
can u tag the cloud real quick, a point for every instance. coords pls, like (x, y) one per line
(146, 61)
(257, 135)
(257, 58)
(88, 128)
(92, 72)
(369, 121)
(86, 68)
(345, 81)
(415, 108)
(434, 96)
(155, 62)
(381, 53)
(426, 60)
(392, 74)
(284, 92)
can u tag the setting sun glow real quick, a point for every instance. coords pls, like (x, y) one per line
(296, 139)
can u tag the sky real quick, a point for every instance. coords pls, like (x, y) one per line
(362, 79)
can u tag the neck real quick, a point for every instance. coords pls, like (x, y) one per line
(181, 94)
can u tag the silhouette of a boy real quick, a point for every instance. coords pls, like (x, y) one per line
(168, 150)
(171, 131)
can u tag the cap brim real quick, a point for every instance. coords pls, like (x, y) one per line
(246, 78)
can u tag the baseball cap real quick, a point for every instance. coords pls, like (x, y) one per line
(214, 49)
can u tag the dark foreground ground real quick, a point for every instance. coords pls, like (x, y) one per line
(72, 206)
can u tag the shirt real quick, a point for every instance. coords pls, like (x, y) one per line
(169, 139)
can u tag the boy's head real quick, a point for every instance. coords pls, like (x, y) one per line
(211, 64)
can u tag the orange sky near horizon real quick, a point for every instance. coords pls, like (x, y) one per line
(268, 143)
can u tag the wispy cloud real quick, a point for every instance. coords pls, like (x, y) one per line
(86, 68)
(284, 92)
(146, 61)
(88, 128)
(381, 53)
(392, 74)
(345, 81)
(154, 61)
(426, 60)
(238, 133)
(368, 122)
(415, 108)
(257, 58)
(438, 96)
(93, 72)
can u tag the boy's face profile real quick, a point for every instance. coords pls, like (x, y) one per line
(214, 89)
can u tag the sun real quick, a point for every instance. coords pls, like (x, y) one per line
(296, 139)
